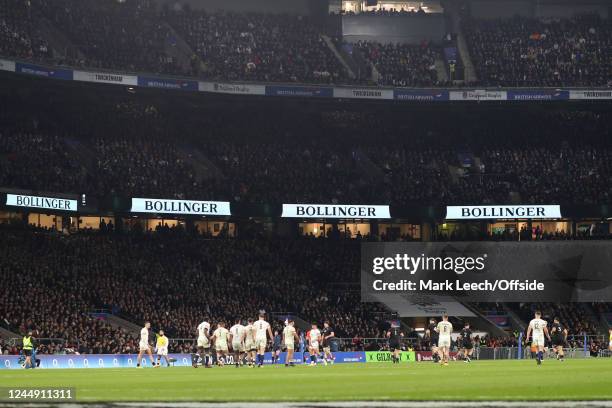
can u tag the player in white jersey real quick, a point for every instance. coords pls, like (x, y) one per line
(537, 329)
(203, 343)
(249, 342)
(444, 330)
(314, 342)
(161, 348)
(144, 345)
(220, 338)
(237, 336)
(290, 337)
(262, 331)
(610, 344)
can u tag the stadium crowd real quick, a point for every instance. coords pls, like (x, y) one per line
(523, 51)
(174, 279)
(402, 65)
(257, 47)
(137, 36)
(129, 148)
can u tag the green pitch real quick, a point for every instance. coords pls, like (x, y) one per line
(480, 380)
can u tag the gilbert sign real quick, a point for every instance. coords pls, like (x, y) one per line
(478, 212)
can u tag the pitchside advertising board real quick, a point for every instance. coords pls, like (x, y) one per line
(335, 211)
(479, 212)
(183, 207)
(129, 360)
(487, 271)
(385, 356)
(47, 203)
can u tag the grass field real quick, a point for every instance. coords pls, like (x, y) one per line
(482, 380)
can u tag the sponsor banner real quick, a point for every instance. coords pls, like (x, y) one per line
(48, 203)
(237, 89)
(50, 361)
(307, 91)
(6, 65)
(560, 271)
(162, 206)
(168, 83)
(385, 356)
(129, 360)
(590, 94)
(39, 70)
(420, 95)
(335, 211)
(427, 356)
(106, 78)
(538, 95)
(477, 95)
(363, 93)
(479, 212)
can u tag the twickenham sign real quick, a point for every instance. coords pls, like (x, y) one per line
(477, 212)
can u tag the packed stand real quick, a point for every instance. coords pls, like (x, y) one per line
(402, 65)
(257, 47)
(20, 34)
(135, 276)
(114, 35)
(523, 51)
(37, 160)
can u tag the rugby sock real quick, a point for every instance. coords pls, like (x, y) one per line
(540, 355)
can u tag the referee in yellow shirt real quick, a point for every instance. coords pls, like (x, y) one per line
(161, 347)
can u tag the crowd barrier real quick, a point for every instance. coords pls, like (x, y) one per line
(309, 91)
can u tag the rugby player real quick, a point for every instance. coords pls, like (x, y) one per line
(249, 342)
(237, 336)
(203, 345)
(328, 337)
(559, 337)
(262, 331)
(220, 338)
(538, 328)
(610, 340)
(432, 334)
(290, 337)
(467, 343)
(395, 339)
(161, 348)
(144, 345)
(444, 330)
(314, 340)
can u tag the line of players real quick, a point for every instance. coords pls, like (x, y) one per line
(439, 335)
(249, 342)
(244, 343)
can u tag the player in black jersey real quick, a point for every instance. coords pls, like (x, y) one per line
(432, 334)
(466, 343)
(395, 337)
(328, 336)
(559, 337)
